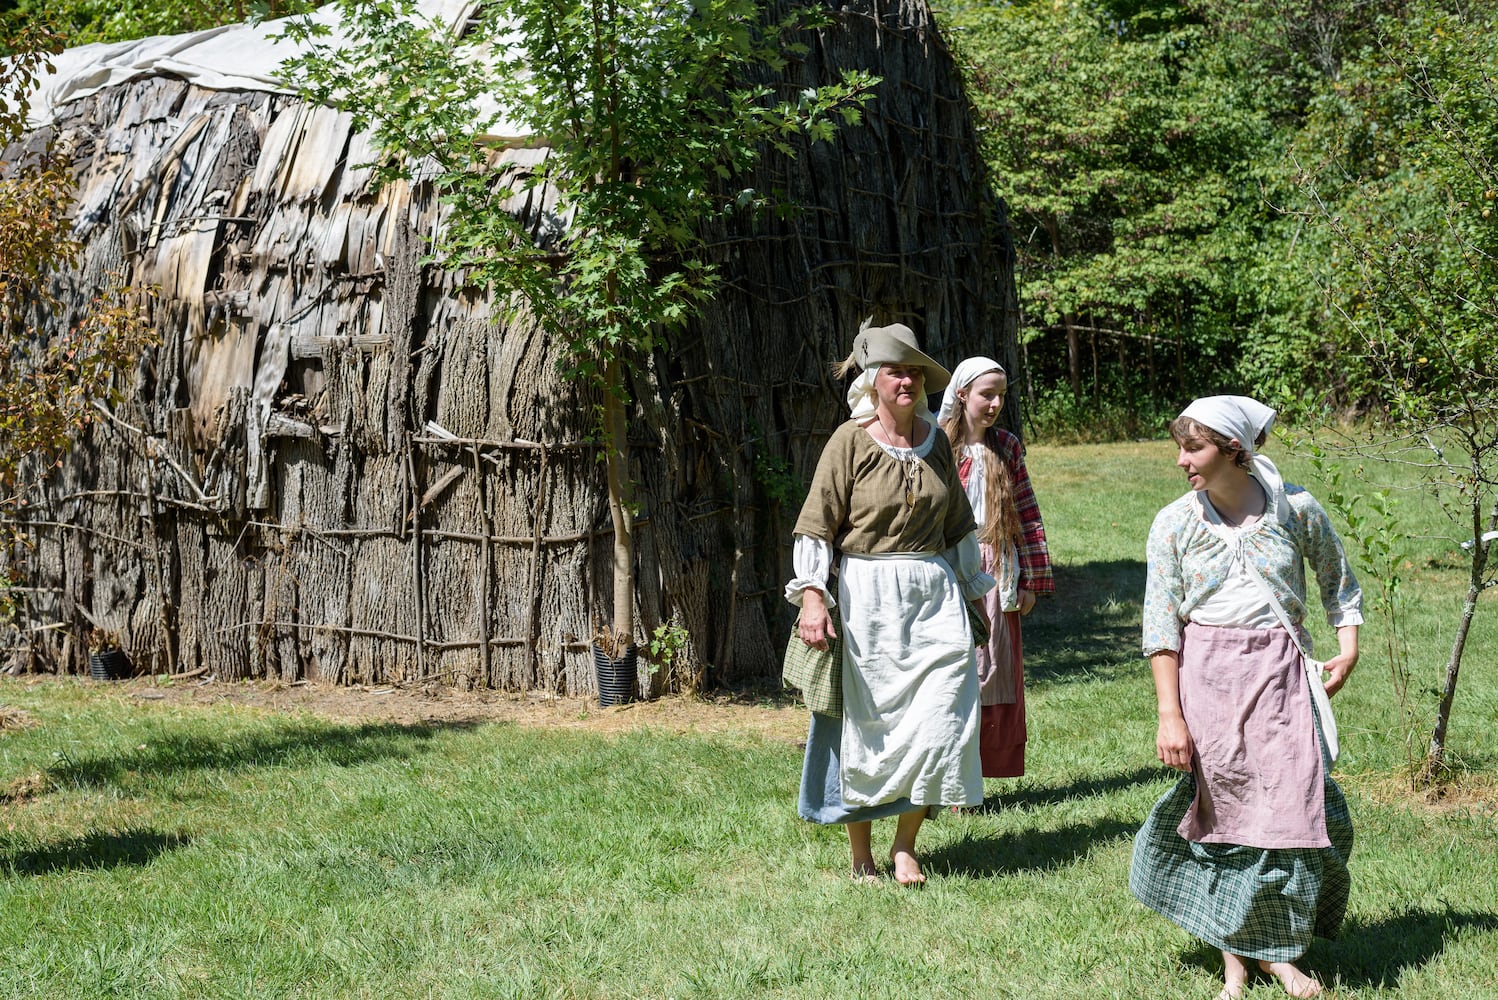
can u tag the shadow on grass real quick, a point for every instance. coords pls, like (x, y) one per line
(290, 746)
(1091, 624)
(1031, 850)
(1374, 953)
(1378, 952)
(93, 851)
(1082, 789)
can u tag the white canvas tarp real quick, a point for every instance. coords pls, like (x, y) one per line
(232, 57)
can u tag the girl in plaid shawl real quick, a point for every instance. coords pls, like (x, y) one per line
(991, 464)
(1249, 850)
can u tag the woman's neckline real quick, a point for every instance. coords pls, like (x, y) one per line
(920, 433)
(1244, 521)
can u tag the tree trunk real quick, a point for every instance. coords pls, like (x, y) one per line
(616, 431)
(1434, 771)
(1149, 354)
(1097, 384)
(1073, 360)
(1180, 367)
(1123, 375)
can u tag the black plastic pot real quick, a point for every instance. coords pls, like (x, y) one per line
(616, 678)
(108, 665)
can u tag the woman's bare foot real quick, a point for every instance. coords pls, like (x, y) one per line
(902, 851)
(1234, 976)
(907, 868)
(865, 871)
(1295, 982)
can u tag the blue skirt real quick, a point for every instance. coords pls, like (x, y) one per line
(821, 799)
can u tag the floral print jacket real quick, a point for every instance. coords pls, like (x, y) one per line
(1189, 560)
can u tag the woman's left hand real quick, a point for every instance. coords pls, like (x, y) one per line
(1338, 669)
(1026, 602)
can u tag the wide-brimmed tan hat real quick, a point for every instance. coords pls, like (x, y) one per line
(896, 345)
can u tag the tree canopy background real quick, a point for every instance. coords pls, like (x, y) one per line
(1173, 168)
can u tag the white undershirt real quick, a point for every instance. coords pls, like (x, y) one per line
(1240, 601)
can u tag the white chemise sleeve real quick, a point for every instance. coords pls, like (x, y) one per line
(811, 560)
(966, 560)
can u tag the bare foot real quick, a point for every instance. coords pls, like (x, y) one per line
(1295, 982)
(907, 868)
(865, 871)
(1234, 976)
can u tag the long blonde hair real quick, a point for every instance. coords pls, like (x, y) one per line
(1001, 516)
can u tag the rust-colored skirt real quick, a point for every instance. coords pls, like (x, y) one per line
(1001, 727)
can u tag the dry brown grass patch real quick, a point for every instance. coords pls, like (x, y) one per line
(25, 788)
(1462, 792)
(14, 718)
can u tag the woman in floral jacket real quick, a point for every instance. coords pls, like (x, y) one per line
(1249, 850)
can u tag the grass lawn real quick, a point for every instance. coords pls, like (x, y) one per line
(170, 849)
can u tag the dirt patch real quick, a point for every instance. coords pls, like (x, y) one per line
(775, 718)
(24, 789)
(1467, 792)
(14, 718)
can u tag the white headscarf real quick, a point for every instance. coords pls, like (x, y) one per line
(962, 377)
(862, 400)
(1245, 419)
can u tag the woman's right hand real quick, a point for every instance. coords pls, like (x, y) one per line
(815, 625)
(1173, 743)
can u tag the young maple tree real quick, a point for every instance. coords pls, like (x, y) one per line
(646, 117)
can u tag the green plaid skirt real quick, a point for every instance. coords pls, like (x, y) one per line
(1248, 901)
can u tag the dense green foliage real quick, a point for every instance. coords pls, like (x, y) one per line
(1257, 195)
(1396, 165)
(84, 21)
(1126, 161)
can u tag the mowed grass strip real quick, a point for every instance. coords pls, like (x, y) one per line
(149, 850)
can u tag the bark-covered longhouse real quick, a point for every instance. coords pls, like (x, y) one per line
(337, 466)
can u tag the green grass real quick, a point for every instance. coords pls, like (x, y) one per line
(156, 851)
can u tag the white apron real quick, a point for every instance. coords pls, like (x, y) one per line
(910, 684)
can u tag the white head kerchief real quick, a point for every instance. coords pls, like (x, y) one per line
(862, 400)
(962, 377)
(1245, 419)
